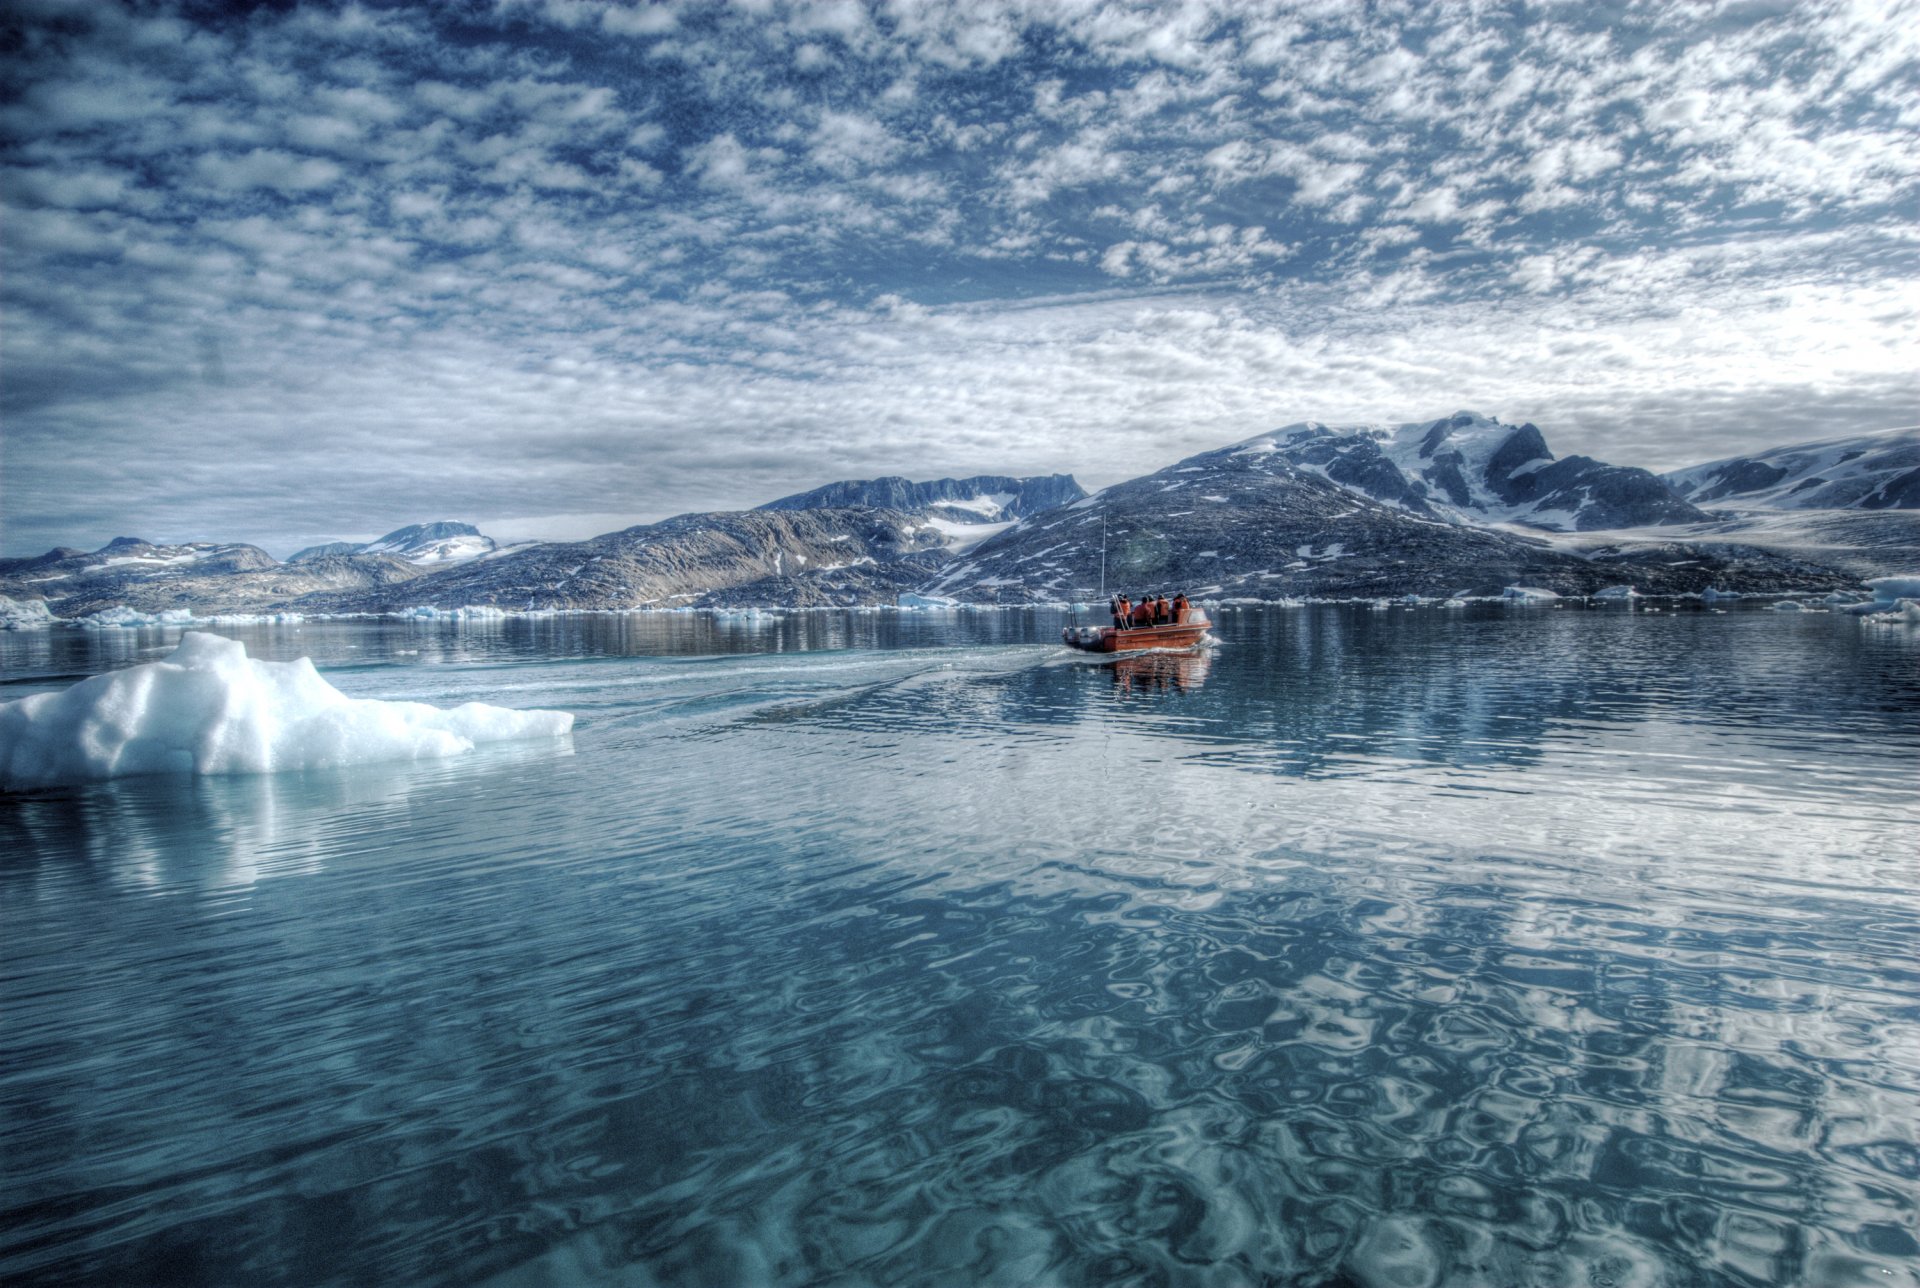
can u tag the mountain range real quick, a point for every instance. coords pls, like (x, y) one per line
(1458, 505)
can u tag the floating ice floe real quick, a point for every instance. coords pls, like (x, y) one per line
(911, 600)
(1896, 601)
(1888, 589)
(24, 614)
(1788, 606)
(210, 709)
(1617, 593)
(471, 613)
(120, 617)
(1528, 594)
(132, 618)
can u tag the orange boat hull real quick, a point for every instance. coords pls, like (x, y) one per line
(1111, 639)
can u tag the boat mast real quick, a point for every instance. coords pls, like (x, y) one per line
(1103, 550)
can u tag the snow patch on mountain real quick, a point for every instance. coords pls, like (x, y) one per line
(1472, 469)
(1879, 471)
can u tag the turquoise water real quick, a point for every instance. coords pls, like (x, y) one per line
(1505, 946)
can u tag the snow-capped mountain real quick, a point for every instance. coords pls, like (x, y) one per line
(418, 543)
(1249, 520)
(1469, 468)
(1866, 472)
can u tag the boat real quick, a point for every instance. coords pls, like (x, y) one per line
(1184, 633)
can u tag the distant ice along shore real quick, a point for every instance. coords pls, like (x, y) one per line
(208, 708)
(1880, 598)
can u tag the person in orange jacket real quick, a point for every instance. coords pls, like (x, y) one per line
(1180, 607)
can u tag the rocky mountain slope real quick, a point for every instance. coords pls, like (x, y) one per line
(844, 555)
(985, 498)
(201, 577)
(1249, 521)
(1865, 472)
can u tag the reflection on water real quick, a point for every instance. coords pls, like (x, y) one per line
(1370, 948)
(1161, 672)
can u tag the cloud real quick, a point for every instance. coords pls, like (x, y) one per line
(571, 248)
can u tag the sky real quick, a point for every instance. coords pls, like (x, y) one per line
(301, 271)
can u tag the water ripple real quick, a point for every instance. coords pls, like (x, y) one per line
(1561, 949)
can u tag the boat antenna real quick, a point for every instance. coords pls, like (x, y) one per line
(1103, 550)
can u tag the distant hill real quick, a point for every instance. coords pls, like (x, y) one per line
(419, 543)
(1865, 472)
(844, 556)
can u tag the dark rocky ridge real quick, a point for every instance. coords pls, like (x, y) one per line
(1028, 496)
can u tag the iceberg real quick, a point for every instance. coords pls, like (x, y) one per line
(1887, 590)
(1528, 594)
(1896, 600)
(133, 619)
(24, 614)
(208, 708)
(1617, 592)
(911, 600)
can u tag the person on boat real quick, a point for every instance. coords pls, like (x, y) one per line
(1143, 614)
(1121, 611)
(1180, 607)
(1162, 610)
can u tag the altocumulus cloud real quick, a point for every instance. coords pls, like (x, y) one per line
(320, 269)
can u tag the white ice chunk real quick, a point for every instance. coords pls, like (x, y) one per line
(24, 614)
(132, 618)
(210, 709)
(1528, 594)
(911, 600)
(1617, 592)
(1888, 589)
(1901, 612)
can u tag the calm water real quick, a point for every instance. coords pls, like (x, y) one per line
(1542, 947)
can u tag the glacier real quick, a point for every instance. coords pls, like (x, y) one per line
(208, 708)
